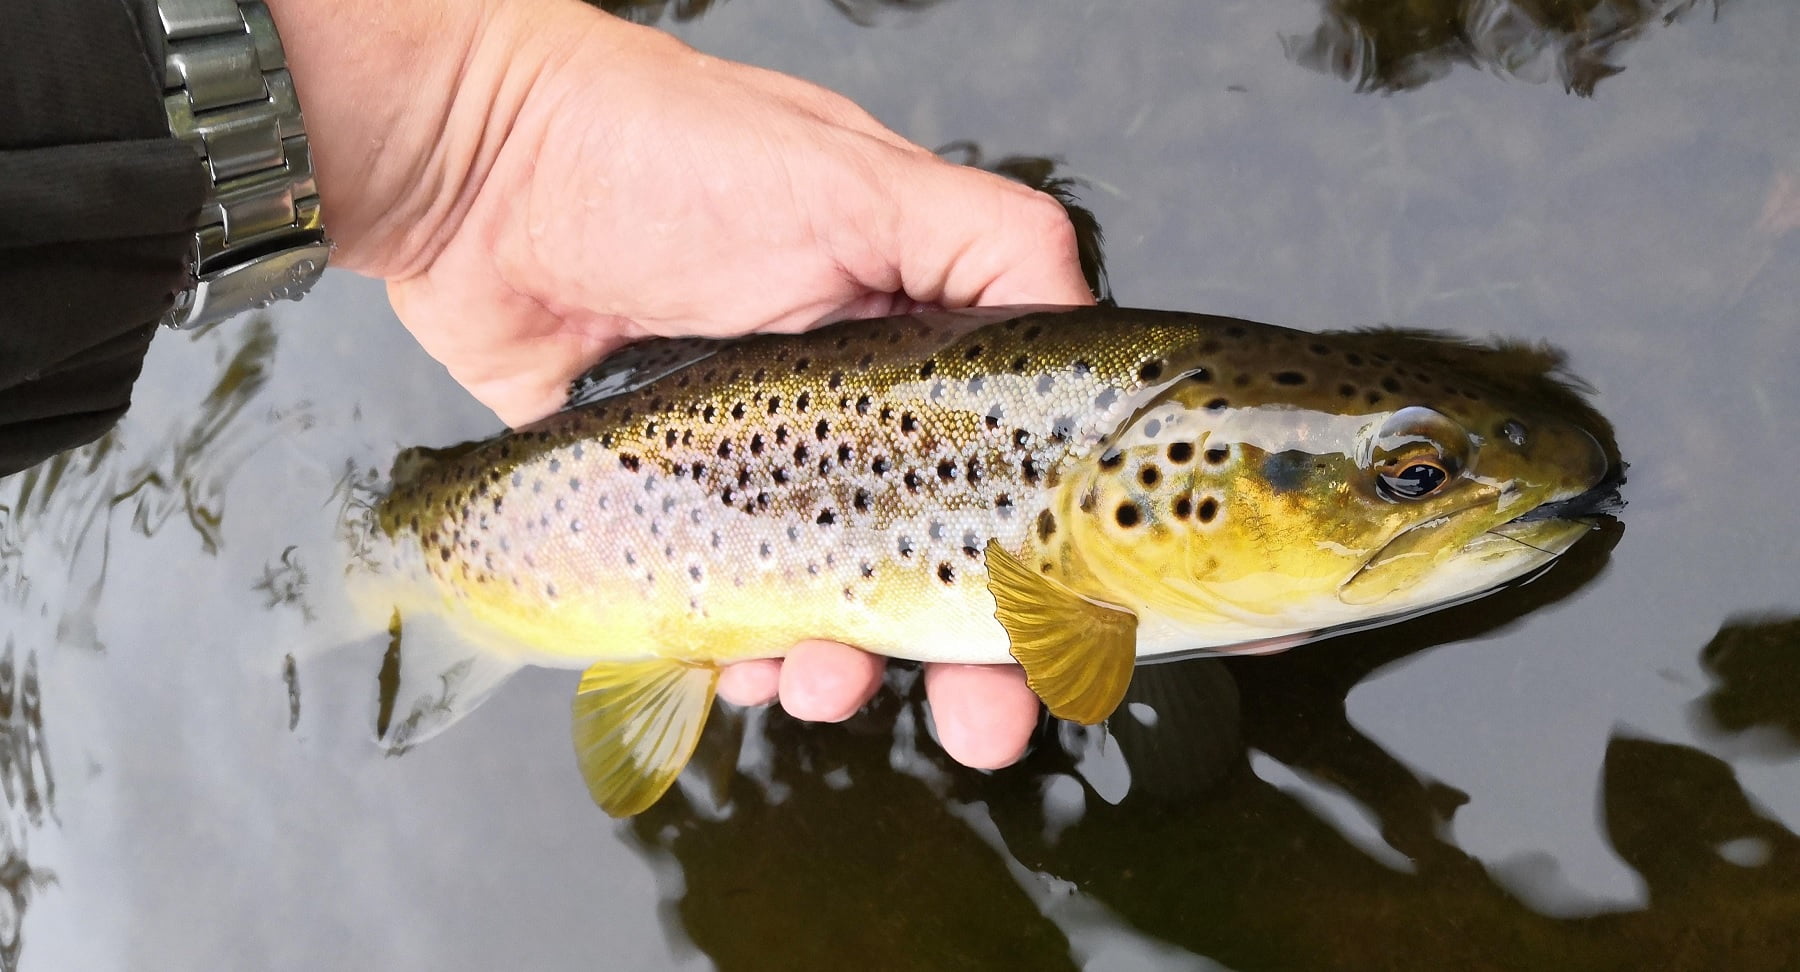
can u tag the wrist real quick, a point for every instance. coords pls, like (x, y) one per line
(378, 86)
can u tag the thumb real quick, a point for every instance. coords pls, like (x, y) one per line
(968, 237)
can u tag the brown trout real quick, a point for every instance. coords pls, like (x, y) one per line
(1071, 490)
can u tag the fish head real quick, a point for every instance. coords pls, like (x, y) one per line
(1269, 512)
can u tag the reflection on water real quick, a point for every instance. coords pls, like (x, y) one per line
(1279, 838)
(1383, 45)
(57, 527)
(1757, 664)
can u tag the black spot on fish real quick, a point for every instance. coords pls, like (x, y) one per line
(629, 461)
(1029, 469)
(1087, 501)
(1150, 370)
(946, 470)
(803, 402)
(887, 414)
(800, 454)
(1372, 398)
(973, 353)
(1019, 364)
(972, 471)
(836, 381)
(724, 449)
(708, 413)
(1046, 524)
(879, 465)
(1149, 475)
(669, 439)
(1391, 384)
(743, 477)
(756, 444)
(774, 404)
(861, 501)
(946, 573)
(1217, 455)
(908, 422)
(1062, 429)
(1346, 390)
(802, 364)
(1218, 405)
(826, 517)
(1184, 507)
(844, 453)
(1353, 359)
(862, 404)
(763, 550)
(781, 434)
(911, 479)
(1181, 452)
(1287, 471)
(762, 501)
(927, 369)
(1111, 458)
(1003, 503)
(699, 471)
(868, 570)
(1209, 509)
(1127, 515)
(1289, 378)
(822, 430)
(1031, 333)
(737, 410)
(1021, 438)
(905, 546)
(694, 572)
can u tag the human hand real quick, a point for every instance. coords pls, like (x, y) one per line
(540, 184)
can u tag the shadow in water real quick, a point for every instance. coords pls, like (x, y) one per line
(1393, 45)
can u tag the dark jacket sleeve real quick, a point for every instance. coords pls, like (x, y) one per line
(98, 205)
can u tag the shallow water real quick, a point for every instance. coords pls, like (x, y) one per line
(1596, 770)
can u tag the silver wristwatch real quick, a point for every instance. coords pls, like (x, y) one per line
(229, 95)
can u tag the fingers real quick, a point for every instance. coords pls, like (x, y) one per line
(823, 681)
(984, 714)
(750, 683)
(1021, 250)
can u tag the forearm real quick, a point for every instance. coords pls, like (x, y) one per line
(97, 211)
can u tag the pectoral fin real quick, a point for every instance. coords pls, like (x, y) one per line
(1077, 654)
(635, 726)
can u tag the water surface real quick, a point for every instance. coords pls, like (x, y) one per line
(1597, 770)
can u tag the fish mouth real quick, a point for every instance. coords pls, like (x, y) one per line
(1496, 552)
(1601, 499)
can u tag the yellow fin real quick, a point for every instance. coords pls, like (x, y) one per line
(635, 726)
(1077, 654)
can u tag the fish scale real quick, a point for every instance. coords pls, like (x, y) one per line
(977, 487)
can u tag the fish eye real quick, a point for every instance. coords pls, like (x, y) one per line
(1416, 479)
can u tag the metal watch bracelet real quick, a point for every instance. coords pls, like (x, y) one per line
(229, 95)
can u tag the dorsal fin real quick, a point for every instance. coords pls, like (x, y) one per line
(636, 365)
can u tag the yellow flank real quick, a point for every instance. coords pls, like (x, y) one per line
(1070, 490)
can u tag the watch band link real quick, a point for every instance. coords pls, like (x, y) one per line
(228, 94)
